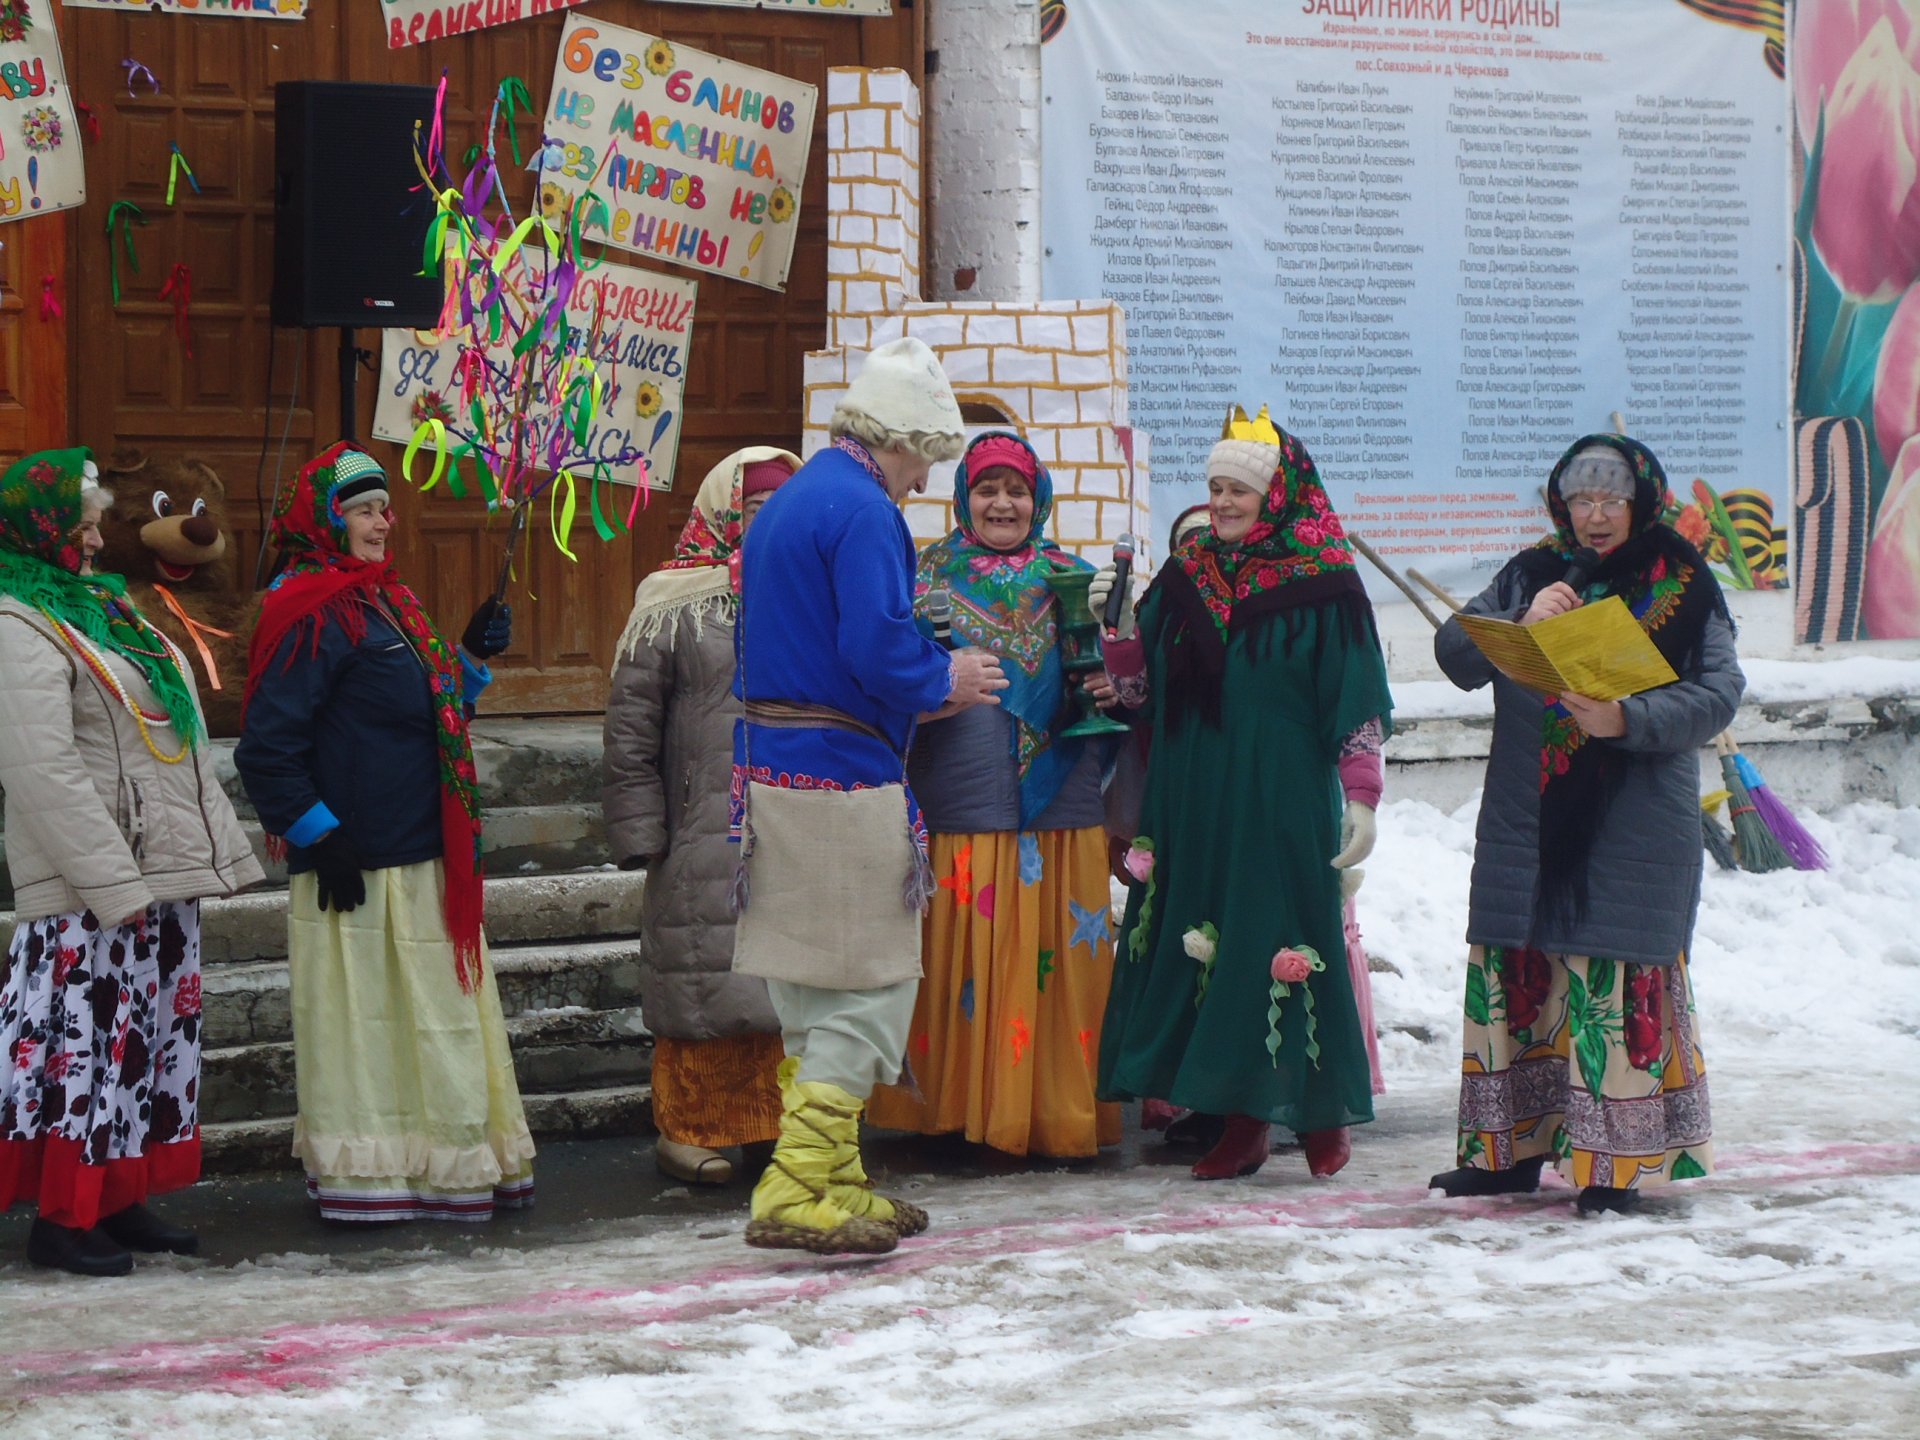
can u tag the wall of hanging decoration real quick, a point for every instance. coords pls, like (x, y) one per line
(40, 165)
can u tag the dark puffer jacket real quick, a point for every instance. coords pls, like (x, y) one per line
(1646, 866)
(667, 771)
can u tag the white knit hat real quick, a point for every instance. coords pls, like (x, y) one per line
(903, 388)
(1245, 462)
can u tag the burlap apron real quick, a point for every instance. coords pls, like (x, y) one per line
(827, 874)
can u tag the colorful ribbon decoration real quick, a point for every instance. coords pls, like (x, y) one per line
(50, 306)
(524, 416)
(90, 119)
(126, 215)
(512, 97)
(179, 289)
(174, 166)
(134, 70)
(195, 629)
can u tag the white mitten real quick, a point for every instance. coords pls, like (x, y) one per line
(1350, 881)
(1097, 596)
(1357, 833)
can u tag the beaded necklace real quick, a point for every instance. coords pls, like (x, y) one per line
(91, 657)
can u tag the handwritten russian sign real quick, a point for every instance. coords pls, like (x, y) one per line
(242, 9)
(699, 160)
(639, 321)
(40, 165)
(414, 22)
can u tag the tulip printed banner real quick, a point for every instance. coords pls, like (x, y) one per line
(415, 22)
(1443, 241)
(698, 160)
(40, 165)
(241, 9)
(1856, 229)
(644, 325)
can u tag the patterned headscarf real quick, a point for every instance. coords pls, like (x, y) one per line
(1671, 592)
(1001, 603)
(323, 582)
(1295, 556)
(40, 558)
(703, 577)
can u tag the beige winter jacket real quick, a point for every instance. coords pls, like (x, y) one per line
(94, 819)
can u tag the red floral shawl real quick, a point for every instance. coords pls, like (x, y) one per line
(323, 582)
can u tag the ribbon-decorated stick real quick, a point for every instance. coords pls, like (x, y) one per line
(175, 167)
(125, 215)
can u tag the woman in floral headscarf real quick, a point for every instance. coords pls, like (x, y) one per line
(668, 770)
(1018, 950)
(1582, 1047)
(354, 748)
(116, 825)
(1258, 664)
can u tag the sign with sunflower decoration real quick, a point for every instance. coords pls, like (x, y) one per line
(698, 160)
(641, 322)
(40, 167)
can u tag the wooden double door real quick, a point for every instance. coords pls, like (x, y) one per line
(132, 384)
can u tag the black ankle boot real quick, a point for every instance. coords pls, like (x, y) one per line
(79, 1252)
(1197, 1129)
(1520, 1178)
(138, 1228)
(1595, 1199)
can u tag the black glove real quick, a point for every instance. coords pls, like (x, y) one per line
(336, 865)
(490, 631)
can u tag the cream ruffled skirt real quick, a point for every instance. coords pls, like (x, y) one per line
(408, 1104)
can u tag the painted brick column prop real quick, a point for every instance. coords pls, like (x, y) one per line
(1056, 370)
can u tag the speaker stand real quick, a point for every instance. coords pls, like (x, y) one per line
(349, 378)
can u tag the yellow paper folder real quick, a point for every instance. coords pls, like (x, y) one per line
(1598, 650)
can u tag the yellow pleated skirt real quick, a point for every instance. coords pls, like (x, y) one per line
(1018, 950)
(408, 1104)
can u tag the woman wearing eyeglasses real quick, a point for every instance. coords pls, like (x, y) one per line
(1582, 1046)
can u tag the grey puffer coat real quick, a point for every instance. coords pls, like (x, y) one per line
(1646, 866)
(666, 773)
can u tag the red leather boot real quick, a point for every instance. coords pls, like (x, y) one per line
(1243, 1149)
(1327, 1150)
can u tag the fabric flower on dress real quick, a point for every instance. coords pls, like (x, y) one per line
(1202, 942)
(1292, 965)
(1139, 859)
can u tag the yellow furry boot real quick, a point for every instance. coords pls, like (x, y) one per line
(794, 1207)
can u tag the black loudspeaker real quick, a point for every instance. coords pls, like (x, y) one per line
(350, 214)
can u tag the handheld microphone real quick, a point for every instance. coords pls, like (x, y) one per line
(940, 613)
(1122, 574)
(1580, 568)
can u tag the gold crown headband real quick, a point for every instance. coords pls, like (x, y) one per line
(1260, 429)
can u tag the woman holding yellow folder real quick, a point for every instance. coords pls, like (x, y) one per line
(1581, 1041)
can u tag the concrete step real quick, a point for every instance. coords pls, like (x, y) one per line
(554, 1051)
(235, 1146)
(250, 1003)
(520, 908)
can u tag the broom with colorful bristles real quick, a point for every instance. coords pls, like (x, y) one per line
(1718, 842)
(1801, 847)
(1758, 849)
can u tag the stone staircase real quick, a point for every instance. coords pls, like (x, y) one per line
(561, 925)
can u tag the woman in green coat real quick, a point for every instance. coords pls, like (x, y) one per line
(1257, 663)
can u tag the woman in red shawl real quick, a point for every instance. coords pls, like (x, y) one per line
(354, 749)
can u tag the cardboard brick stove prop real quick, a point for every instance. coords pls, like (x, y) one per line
(168, 534)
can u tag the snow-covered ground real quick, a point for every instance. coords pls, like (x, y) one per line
(1778, 1298)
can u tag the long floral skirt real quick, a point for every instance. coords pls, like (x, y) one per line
(1592, 1063)
(716, 1093)
(100, 1034)
(408, 1104)
(1005, 1037)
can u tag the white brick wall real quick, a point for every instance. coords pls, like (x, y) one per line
(986, 106)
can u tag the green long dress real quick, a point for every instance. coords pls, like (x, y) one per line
(1244, 818)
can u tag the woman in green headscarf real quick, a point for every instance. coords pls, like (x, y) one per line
(115, 826)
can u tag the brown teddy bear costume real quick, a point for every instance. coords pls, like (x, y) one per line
(168, 534)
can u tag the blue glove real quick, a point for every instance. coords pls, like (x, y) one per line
(490, 631)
